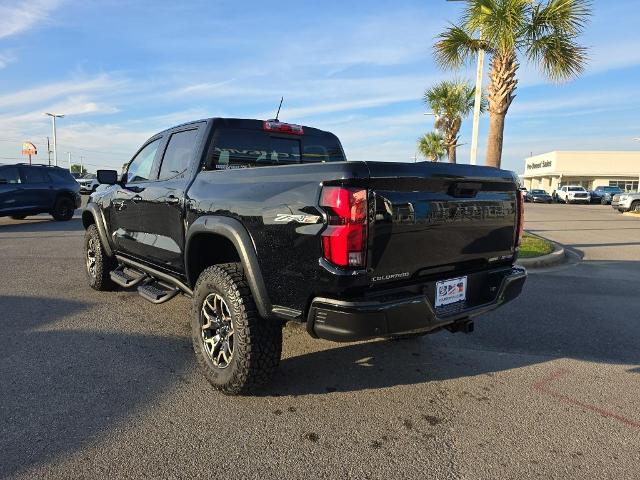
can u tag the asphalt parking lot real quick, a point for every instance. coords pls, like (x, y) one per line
(105, 385)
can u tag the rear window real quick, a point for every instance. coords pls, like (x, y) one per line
(238, 148)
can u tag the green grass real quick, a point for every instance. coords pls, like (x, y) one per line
(533, 246)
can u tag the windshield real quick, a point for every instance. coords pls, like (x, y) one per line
(576, 189)
(612, 189)
(538, 192)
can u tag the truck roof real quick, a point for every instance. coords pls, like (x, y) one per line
(246, 123)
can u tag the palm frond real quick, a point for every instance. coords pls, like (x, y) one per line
(455, 47)
(558, 55)
(567, 16)
(431, 145)
(450, 98)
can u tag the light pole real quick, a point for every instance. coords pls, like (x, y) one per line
(473, 160)
(53, 119)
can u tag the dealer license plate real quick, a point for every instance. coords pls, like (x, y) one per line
(451, 291)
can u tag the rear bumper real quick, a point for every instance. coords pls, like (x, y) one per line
(346, 321)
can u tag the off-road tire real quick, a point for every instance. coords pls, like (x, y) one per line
(18, 217)
(63, 209)
(257, 343)
(104, 264)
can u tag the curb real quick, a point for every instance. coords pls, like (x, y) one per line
(630, 214)
(556, 257)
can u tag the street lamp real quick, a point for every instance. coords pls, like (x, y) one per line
(477, 102)
(53, 119)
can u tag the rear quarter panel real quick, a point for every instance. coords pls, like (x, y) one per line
(273, 202)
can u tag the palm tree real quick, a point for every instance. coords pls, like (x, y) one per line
(431, 145)
(542, 32)
(450, 101)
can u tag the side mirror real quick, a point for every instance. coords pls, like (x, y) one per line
(108, 177)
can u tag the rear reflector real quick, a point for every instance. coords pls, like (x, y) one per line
(520, 217)
(344, 241)
(276, 126)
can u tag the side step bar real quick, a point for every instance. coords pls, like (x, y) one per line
(157, 292)
(127, 277)
(152, 272)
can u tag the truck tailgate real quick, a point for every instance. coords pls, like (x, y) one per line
(434, 217)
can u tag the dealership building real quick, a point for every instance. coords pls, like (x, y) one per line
(590, 169)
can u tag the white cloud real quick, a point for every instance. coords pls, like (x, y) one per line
(21, 16)
(53, 91)
(6, 57)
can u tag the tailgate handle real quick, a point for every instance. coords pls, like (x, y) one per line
(464, 189)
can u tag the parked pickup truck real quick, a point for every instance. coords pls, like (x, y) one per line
(264, 222)
(626, 202)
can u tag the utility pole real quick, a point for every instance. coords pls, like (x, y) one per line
(69, 160)
(473, 160)
(53, 121)
(476, 108)
(49, 151)
(81, 167)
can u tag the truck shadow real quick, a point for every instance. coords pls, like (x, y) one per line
(63, 388)
(586, 312)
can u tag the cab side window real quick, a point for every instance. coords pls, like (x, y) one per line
(34, 175)
(140, 167)
(178, 154)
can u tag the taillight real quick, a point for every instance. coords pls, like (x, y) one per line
(520, 217)
(276, 126)
(344, 241)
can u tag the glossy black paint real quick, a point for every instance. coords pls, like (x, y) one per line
(27, 198)
(427, 221)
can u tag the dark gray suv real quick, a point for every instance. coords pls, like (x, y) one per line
(33, 189)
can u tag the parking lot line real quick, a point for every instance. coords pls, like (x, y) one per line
(543, 386)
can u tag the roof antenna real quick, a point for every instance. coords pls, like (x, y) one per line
(279, 107)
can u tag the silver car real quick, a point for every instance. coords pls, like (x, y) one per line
(625, 202)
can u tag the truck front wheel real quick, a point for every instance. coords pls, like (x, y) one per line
(98, 264)
(237, 350)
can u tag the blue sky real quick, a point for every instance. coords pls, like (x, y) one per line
(122, 71)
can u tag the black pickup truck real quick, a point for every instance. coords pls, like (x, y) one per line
(264, 222)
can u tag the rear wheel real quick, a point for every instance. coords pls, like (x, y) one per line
(237, 350)
(635, 206)
(98, 264)
(63, 209)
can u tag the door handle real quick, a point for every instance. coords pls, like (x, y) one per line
(172, 200)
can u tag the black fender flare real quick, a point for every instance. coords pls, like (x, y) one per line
(234, 231)
(92, 210)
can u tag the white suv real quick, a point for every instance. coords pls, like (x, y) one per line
(573, 194)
